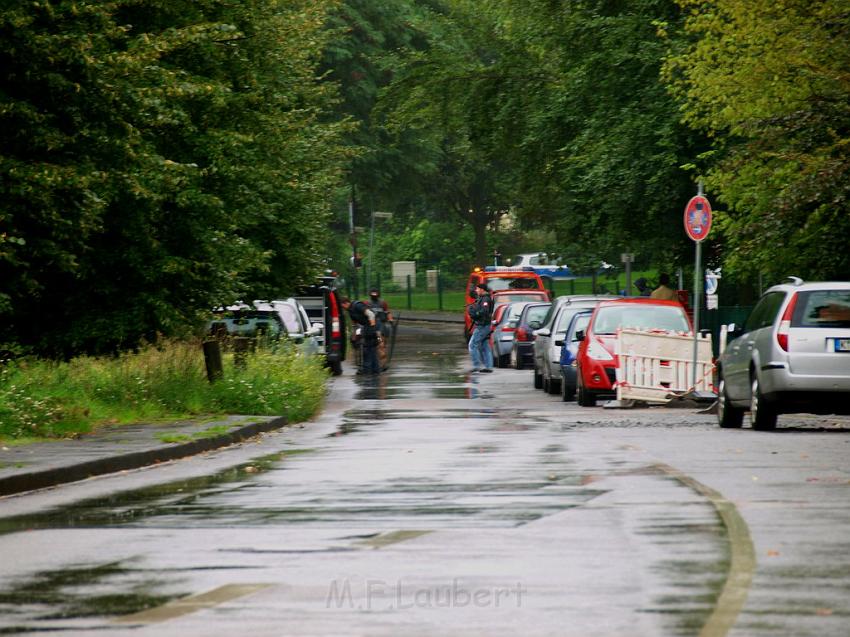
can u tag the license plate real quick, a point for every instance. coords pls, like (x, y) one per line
(842, 344)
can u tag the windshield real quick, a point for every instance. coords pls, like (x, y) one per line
(289, 317)
(536, 313)
(643, 317)
(581, 325)
(822, 308)
(513, 283)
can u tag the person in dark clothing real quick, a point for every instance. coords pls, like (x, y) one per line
(363, 315)
(481, 313)
(384, 320)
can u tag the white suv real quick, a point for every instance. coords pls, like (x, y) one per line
(792, 355)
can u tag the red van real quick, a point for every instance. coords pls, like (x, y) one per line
(498, 279)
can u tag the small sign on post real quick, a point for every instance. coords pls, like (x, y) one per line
(697, 226)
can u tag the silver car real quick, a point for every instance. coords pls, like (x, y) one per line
(792, 355)
(550, 337)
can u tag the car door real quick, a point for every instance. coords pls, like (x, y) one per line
(743, 350)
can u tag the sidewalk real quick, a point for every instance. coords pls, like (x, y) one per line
(120, 448)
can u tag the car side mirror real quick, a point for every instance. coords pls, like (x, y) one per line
(543, 331)
(733, 330)
(319, 327)
(579, 335)
(534, 325)
(559, 343)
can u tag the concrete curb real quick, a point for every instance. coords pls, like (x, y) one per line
(23, 482)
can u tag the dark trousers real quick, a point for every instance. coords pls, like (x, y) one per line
(369, 364)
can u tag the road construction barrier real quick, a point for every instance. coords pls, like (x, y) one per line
(654, 365)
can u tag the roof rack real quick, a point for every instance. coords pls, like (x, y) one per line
(795, 280)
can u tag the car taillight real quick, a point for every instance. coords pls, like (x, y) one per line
(785, 324)
(522, 334)
(335, 327)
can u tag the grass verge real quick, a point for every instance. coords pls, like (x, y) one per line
(48, 399)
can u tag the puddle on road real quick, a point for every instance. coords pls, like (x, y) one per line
(67, 594)
(127, 507)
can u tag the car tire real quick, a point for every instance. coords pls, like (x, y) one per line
(728, 416)
(504, 360)
(336, 368)
(763, 415)
(554, 386)
(568, 392)
(497, 361)
(538, 380)
(515, 359)
(585, 398)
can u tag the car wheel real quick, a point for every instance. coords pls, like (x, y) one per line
(763, 415)
(515, 359)
(538, 380)
(728, 416)
(585, 398)
(504, 360)
(568, 392)
(554, 386)
(336, 368)
(546, 384)
(497, 361)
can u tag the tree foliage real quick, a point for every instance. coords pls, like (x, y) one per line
(769, 82)
(157, 158)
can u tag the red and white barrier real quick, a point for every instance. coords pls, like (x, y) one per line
(653, 365)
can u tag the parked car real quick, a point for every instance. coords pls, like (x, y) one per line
(497, 279)
(596, 362)
(505, 319)
(549, 338)
(270, 319)
(792, 355)
(569, 353)
(516, 296)
(322, 303)
(299, 329)
(531, 318)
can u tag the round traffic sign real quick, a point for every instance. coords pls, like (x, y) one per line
(698, 218)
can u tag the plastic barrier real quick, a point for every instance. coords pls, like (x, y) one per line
(653, 365)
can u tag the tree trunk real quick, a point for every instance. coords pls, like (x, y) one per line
(479, 227)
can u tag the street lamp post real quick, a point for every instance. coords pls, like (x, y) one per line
(378, 215)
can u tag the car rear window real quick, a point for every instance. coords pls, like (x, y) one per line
(523, 283)
(822, 308)
(512, 298)
(642, 317)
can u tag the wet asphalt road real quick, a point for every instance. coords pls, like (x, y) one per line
(431, 501)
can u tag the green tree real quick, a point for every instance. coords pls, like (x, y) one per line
(157, 158)
(768, 81)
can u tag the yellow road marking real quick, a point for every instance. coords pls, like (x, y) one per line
(191, 604)
(742, 560)
(393, 537)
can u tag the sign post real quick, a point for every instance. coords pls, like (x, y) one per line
(697, 226)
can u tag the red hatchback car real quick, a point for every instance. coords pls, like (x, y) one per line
(596, 362)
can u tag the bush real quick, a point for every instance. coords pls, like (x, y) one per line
(40, 398)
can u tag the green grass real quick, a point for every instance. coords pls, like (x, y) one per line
(45, 399)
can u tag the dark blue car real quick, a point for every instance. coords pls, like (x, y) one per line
(569, 350)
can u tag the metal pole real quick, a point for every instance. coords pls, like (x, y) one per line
(409, 294)
(697, 298)
(353, 239)
(628, 277)
(439, 291)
